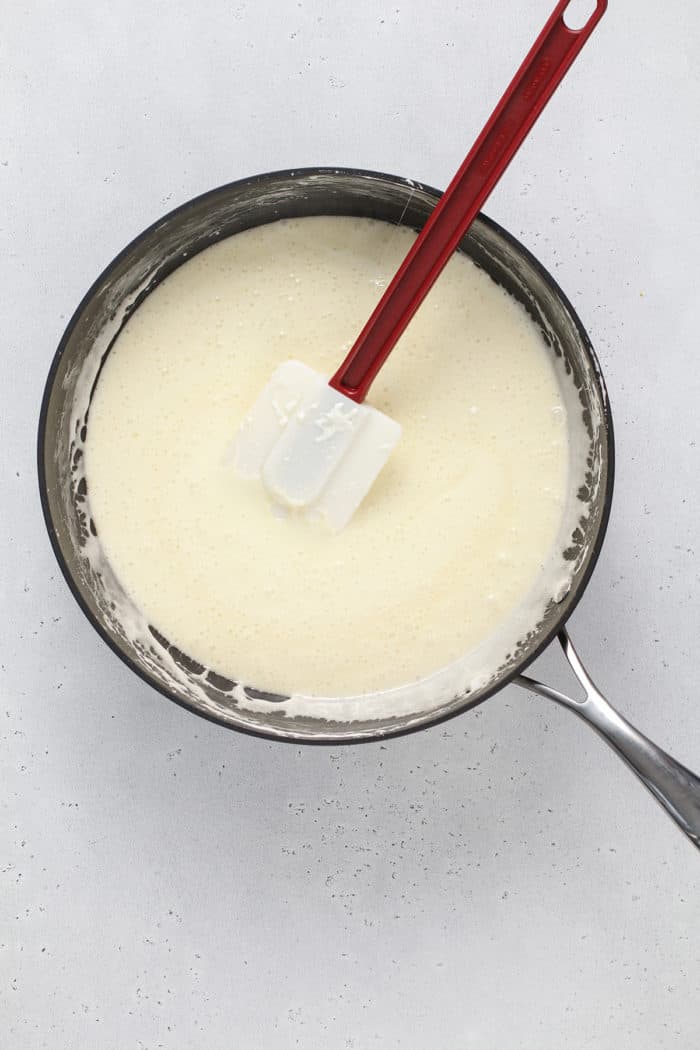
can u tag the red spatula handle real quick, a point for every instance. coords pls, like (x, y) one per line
(535, 82)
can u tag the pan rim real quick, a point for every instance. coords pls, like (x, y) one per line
(384, 729)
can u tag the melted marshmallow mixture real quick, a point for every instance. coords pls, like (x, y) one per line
(451, 540)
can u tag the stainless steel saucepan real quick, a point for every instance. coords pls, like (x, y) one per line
(65, 496)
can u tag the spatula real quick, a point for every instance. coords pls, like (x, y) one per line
(314, 444)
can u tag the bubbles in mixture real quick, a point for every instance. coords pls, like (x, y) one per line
(454, 536)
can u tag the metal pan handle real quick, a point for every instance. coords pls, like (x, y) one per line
(671, 784)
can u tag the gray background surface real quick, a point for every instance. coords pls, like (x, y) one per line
(501, 882)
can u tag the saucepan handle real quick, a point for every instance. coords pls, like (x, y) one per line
(671, 784)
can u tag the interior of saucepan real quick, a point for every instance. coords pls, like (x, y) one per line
(65, 421)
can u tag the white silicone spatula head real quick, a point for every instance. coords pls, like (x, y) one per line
(315, 450)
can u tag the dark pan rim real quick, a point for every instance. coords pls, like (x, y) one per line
(384, 730)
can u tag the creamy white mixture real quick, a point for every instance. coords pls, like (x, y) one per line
(452, 539)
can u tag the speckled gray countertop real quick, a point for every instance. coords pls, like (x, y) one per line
(501, 882)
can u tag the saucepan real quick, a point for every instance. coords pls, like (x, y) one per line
(65, 496)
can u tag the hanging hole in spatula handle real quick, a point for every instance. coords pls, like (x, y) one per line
(579, 12)
(531, 89)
